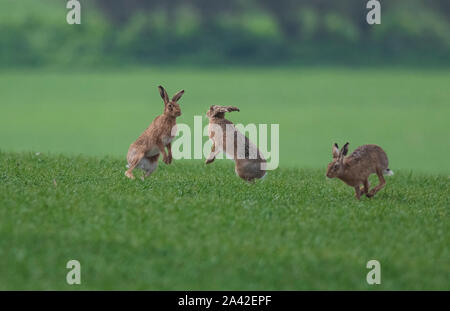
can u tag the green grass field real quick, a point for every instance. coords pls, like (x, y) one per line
(198, 227)
(405, 112)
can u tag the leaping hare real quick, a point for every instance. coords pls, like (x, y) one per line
(249, 162)
(144, 152)
(355, 169)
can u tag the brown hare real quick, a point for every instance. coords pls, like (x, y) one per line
(144, 152)
(355, 169)
(249, 162)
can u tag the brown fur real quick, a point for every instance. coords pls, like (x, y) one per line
(145, 151)
(245, 167)
(355, 169)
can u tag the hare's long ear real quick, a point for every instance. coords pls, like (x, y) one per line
(335, 151)
(177, 96)
(225, 108)
(344, 150)
(163, 94)
(232, 108)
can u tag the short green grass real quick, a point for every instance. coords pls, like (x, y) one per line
(192, 226)
(197, 227)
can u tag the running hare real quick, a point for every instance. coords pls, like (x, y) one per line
(355, 169)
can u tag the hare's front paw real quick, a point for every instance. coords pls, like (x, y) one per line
(170, 159)
(129, 175)
(210, 160)
(166, 160)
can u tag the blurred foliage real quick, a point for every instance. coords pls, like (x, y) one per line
(124, 32)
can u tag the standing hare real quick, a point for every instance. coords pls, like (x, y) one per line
(144, 152)
(355, 169)
(249, 162)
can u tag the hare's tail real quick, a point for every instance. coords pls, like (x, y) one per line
(388, 172)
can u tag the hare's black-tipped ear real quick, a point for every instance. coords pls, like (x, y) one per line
(345, 149)
(177, 96)
(163, 94)
(225, 108)
(335, 150)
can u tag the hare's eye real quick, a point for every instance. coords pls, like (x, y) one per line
(170, 106)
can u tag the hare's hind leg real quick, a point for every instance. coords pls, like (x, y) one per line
(358, 192)
(379, 186)
(150, 165)
(366, 186)
(133, 160)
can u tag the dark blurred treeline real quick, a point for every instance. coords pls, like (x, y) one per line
(112, 32)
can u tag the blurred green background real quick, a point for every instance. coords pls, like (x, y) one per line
(314, 67)
(209, 32)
